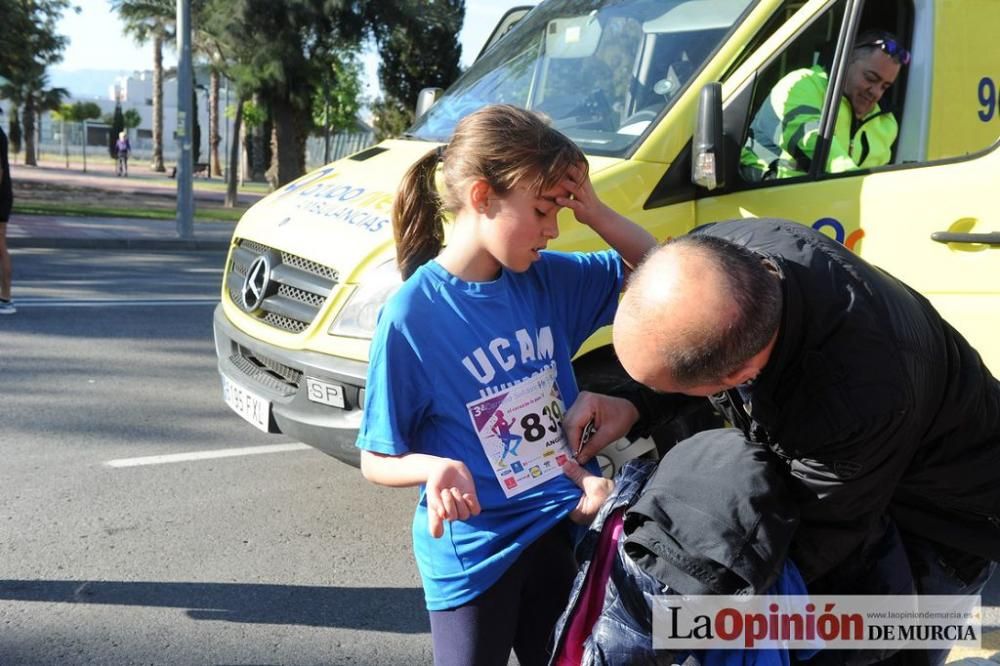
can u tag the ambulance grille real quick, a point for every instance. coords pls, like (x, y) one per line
(287, 291)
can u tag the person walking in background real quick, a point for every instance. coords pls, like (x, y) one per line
(6, 203)
(122, 149)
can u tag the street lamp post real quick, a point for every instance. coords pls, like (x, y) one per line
(225, 125)
(208, 125)
(185, 191)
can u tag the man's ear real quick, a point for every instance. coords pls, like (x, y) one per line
(741, 375)
(479, 195)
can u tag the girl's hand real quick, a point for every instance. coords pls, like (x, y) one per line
(451, 495)
(630, 240)
(595, 490)
(585, 204)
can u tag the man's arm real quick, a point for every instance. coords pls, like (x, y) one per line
(800, 115)
(627, 409)
(846, 489)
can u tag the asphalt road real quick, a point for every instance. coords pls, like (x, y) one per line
(287, 557)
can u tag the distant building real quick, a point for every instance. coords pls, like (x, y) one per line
(135, 91)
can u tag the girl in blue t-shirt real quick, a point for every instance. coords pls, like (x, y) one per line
(470, 372)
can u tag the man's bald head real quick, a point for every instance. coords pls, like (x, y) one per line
(698, 316)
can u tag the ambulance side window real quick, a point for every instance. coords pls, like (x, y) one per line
(787, 104)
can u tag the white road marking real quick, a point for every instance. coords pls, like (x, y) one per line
(205, 455)
(27, 303)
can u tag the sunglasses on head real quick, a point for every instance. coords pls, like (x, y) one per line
(891, 48)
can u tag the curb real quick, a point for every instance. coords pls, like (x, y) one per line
(161, 244)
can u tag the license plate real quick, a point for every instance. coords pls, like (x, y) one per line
(325, 393)
(251, 407)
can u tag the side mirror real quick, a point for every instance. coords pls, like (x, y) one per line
(426, 99)
(707, 157)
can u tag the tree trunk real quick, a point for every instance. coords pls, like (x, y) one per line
(249, 140)
(157, 164)
(15, 130)
(234, 157)
(288, 143)
(29, 132)
(213, 123)
(258, 160)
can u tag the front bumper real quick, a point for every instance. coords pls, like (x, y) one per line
(278, 375)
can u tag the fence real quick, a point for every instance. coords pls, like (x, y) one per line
(99, 135)
(341, 145)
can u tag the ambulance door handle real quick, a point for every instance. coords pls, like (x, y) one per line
(992, 238)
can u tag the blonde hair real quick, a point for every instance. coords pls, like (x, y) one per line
(504, 145)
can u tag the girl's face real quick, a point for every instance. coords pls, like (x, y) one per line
(520, 224)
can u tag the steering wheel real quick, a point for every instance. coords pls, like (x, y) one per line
(593, 112)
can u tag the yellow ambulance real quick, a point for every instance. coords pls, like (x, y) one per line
(664, 96)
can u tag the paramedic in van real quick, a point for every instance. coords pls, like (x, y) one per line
(885, 417)
(864, 132)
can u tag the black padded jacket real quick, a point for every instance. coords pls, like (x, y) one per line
(873, 401)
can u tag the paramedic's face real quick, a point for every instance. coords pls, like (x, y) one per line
(868, 78)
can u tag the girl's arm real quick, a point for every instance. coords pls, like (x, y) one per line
(450, 490)
(630, 240)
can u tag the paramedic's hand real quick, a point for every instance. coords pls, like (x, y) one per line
(583, 200)
(613, 418)
(595, 490)
(451, 495)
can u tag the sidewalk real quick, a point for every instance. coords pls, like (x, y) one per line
(101, 176)
(43, 231)
(142, 188)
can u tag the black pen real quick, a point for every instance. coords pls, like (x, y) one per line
(588, 432)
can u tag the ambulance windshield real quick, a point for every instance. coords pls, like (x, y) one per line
(602, 70)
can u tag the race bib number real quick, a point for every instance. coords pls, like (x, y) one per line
(521, 432)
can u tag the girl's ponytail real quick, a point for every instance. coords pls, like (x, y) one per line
(417, 220)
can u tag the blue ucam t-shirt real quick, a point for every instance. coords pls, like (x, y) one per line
(480, 372)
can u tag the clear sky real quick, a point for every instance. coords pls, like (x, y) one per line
(96, 39)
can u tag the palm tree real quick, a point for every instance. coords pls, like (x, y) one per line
(28, 91)
(151, 20)
(14, 94)
(32, 28)
(41, 100)
(213, 123)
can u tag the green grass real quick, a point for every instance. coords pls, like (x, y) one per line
(219, 185)
(84, 210)
(139, 170)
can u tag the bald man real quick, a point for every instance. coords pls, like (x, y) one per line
(874, 403)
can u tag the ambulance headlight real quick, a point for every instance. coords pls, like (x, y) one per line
(357, 318)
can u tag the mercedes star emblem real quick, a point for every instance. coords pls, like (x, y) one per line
(256, 282)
